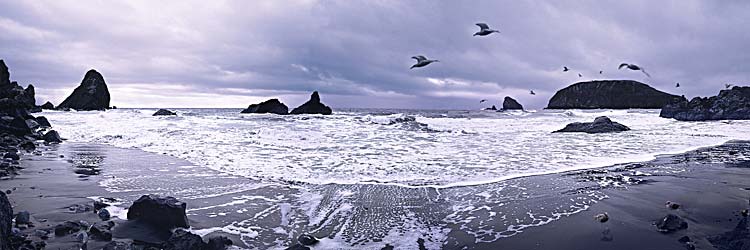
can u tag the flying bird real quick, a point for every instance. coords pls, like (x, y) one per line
(600, 72)
(579, 75)
(633, 67)
(532, 92)
(677, 85)
(483, 100)
(565, 69)
(421, 61)
(484, 30)
(727, 85)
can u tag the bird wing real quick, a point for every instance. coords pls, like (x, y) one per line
(645, 73)
(483, 100)
(622, 65)
(483, 26)
(419, 58)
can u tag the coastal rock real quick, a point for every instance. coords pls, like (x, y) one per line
(313, 106)
(42, 121)
(273, 106)
(671, 223)
(23, 218)
(99, 205)
(164, 112)
(101, 230)
(163, 212)
(730, 104)
(117, 245)
(219, 243)
(610, 94)
(491, 108)
(6, 214)
(297, 247)
(103, 214)
(47, 105)
(511, 104)
(52, 137)
(91, 94)
(737, 238)
(601, 124)
(306, 239)
(67, 227)
(184, 240)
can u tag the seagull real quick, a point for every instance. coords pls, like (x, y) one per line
(633, 67)
(600, 72)
(484, 30)
(532, 92)
(579, 75)
(565, 69)
(421, 61)
(727, 85)
(677, 85)
(483, 100)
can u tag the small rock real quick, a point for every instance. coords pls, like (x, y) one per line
(99, 205)
(117, 245)
(671, 223)
(12, 156)
(297, 247)
(602, 217)
(689, 246)
(101, 230)
(8, 191)
(82, 237)
(744, 212)
(684, 239)
(103, 214)
(219, 243)
(52, 137)
(66, 228)
(184, 240)
(672, 205)
(23, 217)
(306, 239)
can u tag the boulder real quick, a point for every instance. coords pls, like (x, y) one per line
(273, 106)
(91, 94)
(101, 230)
(52, 137)
(184, 240)
(23, 218)
(313, 106)
(510, 103)
(730, 104)
(601, 124)
(42, 121)
(6, 211)
(306, 239)
(67, 227)
(163, 112)
(103, 214)
(161, 212)
(671, 223)
(610, 94)
(47, 105)
(491, 108)
(218, 243)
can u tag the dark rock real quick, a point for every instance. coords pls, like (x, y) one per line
(671, 223)
(52, 137)
(47, 105)
(684, 239)
(306, 239)
(163, 112)
(738, 238)
(92, 94)
(672, 205)
(67, 227)
(610, 94)
(510, 104)
(27, 145)
(23, 217)
(101, 231)
(117, 245)
(273, 106)
(218, 243)
(12, 155)
(103, 214)
(491, 108)
(730, 104)
(42, 121)
(297, 247)
(99, 205)
(313, 106)
(601, 124)
(184, 240)
(162, 212)
(6, 211)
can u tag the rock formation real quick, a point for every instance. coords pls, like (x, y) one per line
(610, 94)
(730, 104)
(161, 112)
(161, 212)
(601, 124)
(271, 106)
(313, 106)
(491, 108)
(510, 104)
(92, 94)
(47, 105)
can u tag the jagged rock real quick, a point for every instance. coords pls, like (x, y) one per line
(52, 137)
(6, 211)
(730, 104)
(47, 105)
(671, 223)
(101, 230)
(164, 112)
(610, 94)
(273, 106)
(313, 106)
(162, 212)
(601, 124)
(491, 108)
(91, 94)
(184, 240)
(43, 122)
(511, 104)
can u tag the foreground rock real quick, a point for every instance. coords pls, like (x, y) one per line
(671, 223)
(273, 106)
(730, 104)
(511, 104)
(601, 124)
(161, 212)
(92, 94)
(161, 112)
(6, 215)
(313, 106)
(610, 94)
(52, 137)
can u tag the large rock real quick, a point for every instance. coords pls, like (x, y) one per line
(271, 106)
(313, 106)
(47, 105)
(184, 240)
(610, 94)
(730, 104)
(671, 223)
(510, 104)
(161, 112)
(52, 137)
(161, 212)
(92, 94)
(601, 124)
(6, 216)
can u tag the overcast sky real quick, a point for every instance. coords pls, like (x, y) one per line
(357, 53)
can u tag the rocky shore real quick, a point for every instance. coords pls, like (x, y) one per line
(730, 104)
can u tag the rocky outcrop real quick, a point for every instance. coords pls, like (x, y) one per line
(273, 106)
(610, 94)
(47, 105)
(52, 137)
(313, 106)
(601, 124)
(161, 112)
(671, 223)
(6, 215)
(511, 104)
(730, 104)
(91, 94)
(491, 108)
(161, 212)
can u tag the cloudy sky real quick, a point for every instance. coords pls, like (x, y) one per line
(357, 53)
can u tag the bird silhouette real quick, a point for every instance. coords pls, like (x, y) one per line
(579, 75)
(483, 100)
(421, 61)
(600, 72)
(532, 92)
(677, 85)
(633, 67)
(484, 30)
(727, 85)
(565, 69)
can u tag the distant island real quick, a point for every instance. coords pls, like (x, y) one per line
(610, 94)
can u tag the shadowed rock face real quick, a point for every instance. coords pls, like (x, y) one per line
(313, 106)
(16, 94)
(92, 94)
(601, 124)
(730, 104)
(271, 106)
(6, 213)
(610, 94)
(510, 103)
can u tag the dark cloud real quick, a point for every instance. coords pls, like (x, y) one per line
(231, 53)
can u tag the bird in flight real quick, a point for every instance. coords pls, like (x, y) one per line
(677, 85)
(565, 69)
(421, 61)
(532, 92)
(484, 30)
(579, 75)
(600, 72)
(483, 100)
(633, 67)
(727, 85)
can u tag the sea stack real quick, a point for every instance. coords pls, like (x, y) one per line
(601, 124)
(313, 106)
(48, 105)
(511, 104)
(610, 94)
(730, 104)
(92, 94)
(273, 106)
(21, 97)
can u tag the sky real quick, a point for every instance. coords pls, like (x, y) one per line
(357, 53)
